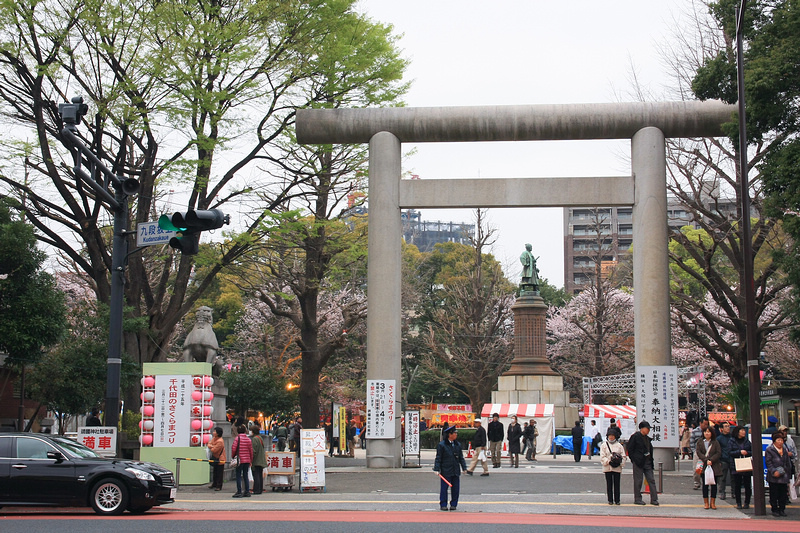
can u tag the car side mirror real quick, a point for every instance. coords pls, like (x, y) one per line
(56, 456)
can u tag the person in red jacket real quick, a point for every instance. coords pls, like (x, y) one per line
(242, 449)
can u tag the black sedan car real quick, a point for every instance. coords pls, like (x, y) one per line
(37, 469)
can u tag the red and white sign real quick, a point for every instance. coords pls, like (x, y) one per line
(100, 439)
(280, 463)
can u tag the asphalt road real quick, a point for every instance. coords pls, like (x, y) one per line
(551, 495)
(347, 522)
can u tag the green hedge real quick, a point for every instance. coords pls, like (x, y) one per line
(431, 437)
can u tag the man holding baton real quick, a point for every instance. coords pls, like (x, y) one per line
(448, 465)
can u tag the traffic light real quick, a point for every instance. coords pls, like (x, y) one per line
(188, 226)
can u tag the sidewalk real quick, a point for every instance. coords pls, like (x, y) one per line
(551, 486)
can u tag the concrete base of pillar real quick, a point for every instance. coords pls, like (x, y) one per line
(665, 456)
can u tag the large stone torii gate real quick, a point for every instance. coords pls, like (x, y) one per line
(646, 124)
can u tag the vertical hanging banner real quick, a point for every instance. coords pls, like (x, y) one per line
(657, 402)
(381, 395)
(344, 445)
(312, 458)
(412, 433)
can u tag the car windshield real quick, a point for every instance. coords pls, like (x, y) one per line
(73, 448)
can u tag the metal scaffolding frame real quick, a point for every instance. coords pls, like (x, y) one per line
(690, 379)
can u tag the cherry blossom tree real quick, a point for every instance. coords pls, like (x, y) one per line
(592, 335)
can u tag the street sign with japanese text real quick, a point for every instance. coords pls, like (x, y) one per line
(100, 439)
(149, 234)
(412, 433)
(280, 463)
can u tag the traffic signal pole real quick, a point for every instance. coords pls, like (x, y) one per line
(71, 114)
(119, 252)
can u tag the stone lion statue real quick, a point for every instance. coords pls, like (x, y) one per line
(201, 343)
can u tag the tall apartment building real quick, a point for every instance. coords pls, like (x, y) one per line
(610, 229)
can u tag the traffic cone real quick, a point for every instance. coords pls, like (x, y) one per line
(505, 449)
(646, 487)
(470, 452)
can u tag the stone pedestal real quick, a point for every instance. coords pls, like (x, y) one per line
(530, 378)
(530, 347)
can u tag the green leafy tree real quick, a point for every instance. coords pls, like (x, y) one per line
(313, 251)
(258, 388)
(465, 318)
(706, 261)
(185, 96)
(71, 378)
(32, 312)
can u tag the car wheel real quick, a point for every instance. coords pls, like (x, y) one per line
(109, 497)
(140, 510)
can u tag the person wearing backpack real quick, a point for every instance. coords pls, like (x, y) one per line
(612, 457)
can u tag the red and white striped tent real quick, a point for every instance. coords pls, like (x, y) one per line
(602, 415)
(541, 412)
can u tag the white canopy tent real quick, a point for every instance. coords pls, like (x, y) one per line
(602, 415)
(542, 413)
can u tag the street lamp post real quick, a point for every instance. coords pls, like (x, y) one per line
(71, 115)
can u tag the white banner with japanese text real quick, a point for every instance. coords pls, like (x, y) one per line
(412, 433)
(657, 403)
(381, 397)
(173, 407)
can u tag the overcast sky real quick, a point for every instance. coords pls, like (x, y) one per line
(510, 52)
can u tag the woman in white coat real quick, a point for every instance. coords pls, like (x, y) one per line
(613, 473)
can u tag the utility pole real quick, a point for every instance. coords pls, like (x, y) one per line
(753, 374)
(99, 178)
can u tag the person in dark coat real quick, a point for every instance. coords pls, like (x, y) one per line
(448, 465)
(495, 434)
(478, 447)
(514, 434)
(640, 452)
(739, 446)
(577, 441)
(779, 473)
(93, 419)
(724, 438)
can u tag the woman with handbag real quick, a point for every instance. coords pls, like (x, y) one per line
(612, 457)
(710, 454)
(779, 473)
(739, 447)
